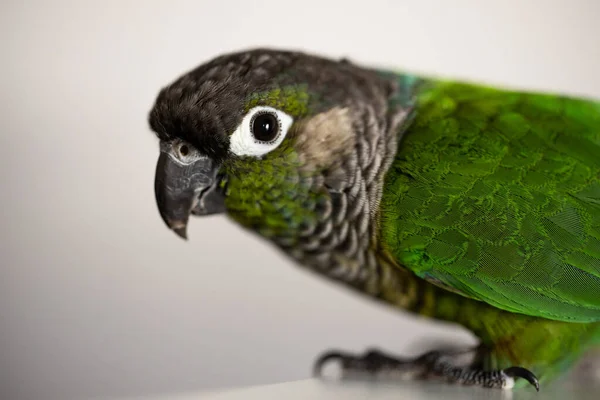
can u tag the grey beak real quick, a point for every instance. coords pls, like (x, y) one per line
(182, 189)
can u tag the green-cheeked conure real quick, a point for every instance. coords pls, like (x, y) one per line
(457, 201)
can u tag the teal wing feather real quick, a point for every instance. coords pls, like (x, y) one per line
(495, 194)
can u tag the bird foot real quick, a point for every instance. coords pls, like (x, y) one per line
(434, 365)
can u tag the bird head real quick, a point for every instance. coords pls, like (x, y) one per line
(264, 136)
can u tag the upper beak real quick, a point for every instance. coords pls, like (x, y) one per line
(182, 189)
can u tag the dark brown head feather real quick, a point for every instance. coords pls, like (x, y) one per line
(205, 105)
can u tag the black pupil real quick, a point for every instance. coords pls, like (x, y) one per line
(265, 127)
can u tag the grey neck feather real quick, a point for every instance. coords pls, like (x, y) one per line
(343, 244)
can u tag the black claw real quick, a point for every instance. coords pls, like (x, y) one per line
(375, 363)
(526, 374)
(370, 362)
(331, 355)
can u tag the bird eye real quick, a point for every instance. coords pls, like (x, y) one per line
(262, 130)
(183, 152)
(265, 126)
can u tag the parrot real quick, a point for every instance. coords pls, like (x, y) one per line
(451, 200)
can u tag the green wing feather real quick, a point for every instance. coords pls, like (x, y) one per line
(495, 194)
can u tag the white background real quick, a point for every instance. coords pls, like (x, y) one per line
(97, 297)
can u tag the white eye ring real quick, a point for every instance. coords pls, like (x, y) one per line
(244, 143)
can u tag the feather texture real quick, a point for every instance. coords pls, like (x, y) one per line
(495, 194)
